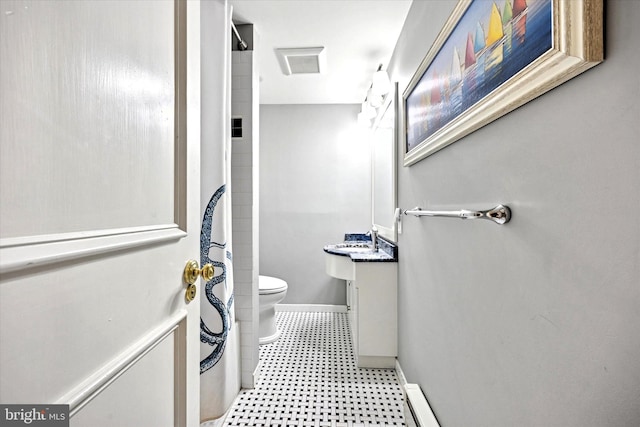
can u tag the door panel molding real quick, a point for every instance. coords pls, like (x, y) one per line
(96, 383)
(27, 252)
(83, 110)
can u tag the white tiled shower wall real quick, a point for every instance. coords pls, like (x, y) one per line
(244, 191)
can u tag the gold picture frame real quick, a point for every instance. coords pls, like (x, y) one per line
(536, 49)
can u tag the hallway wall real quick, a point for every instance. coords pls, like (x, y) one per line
(314, 187)
(534, 323)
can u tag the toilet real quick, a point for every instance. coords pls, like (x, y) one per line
(272, 291)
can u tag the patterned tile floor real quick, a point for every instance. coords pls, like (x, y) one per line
(309, 378)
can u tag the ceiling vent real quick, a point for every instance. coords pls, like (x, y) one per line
(304, 60)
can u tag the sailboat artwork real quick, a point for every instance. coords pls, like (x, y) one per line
(491, 43)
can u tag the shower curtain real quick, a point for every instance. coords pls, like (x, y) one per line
(219, 359)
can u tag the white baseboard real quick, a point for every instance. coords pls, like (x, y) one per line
(318, 308)
(376, 362)
(419, 407)
(401, 378)
(256, 373)
(417, 410)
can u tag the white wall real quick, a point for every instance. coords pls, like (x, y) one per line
(244, 188)
(314, 187)
(535, 323)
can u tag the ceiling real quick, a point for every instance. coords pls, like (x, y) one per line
(358, 35)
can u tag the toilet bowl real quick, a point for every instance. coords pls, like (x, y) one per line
(272, 291)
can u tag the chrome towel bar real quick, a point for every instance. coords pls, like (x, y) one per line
(500, 214)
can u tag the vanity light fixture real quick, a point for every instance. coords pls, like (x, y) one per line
(380, 86)
(381, 83)
(367, 113)
(375, 100)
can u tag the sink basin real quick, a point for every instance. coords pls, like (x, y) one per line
(348, 248)
(351, 249)
(342, 258)
(355, 245)
(339, 264)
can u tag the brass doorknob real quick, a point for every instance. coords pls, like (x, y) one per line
(192, 271)
(190, 275)
(190, 294)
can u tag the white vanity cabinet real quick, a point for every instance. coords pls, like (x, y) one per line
(372, 307)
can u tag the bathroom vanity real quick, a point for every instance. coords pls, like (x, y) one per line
(370, 269)
(371, 281)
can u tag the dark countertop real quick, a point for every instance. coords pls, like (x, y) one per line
(387, 251)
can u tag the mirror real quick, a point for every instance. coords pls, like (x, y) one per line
(384, 167)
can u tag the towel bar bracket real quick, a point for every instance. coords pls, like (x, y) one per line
(500, 214)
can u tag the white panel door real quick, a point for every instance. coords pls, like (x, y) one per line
(99, 208)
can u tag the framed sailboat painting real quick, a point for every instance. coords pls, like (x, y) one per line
(491, 57)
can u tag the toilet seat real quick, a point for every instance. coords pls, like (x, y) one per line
(271, 285)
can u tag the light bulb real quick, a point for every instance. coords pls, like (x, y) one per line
(381, 83)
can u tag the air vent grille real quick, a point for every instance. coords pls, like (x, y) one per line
(307, 60)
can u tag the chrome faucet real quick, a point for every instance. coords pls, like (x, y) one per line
(374, 237)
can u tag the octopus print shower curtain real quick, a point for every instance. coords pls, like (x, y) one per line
(219, 366)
